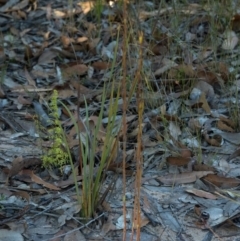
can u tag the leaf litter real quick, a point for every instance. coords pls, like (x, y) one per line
(190, 127)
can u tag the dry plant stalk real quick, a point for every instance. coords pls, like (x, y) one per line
(140, 106)
(124, 117)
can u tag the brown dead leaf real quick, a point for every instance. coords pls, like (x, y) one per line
(23, 101)
(2, 55)
(86, 6)
(203, 167)
(194, 125)
(204, 102)
(39, 180)
(28, 53)
(6, 192)
(19, 163)
(213, 140)
(21, 5)
(143, 220)
(178, 161)
(158, 49)
(101, 65)
(108, 226)
(85, 93)
(166, 65)
(47, 56)
(75, 70)
(66, 41)
(21, 14)
(65, 93)
(223, 70)
(68, 182)
(207, 76)
(2, 94)
(17, 166)
(205, 88)
(201, 193)
(222, 182)
(183, 70)
(172, 179)
(227, 121)
(235, 22)
(22, 194)
(221, 125)
(58, 14)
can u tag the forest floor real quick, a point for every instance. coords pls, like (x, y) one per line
(190, 129)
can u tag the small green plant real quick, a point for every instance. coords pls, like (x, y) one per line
(98, 9)
(92, 178)
(57, 156)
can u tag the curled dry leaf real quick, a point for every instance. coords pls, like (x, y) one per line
(227, 121)
(221, 125)
(201, 193)
(174, 179)
(213, 140)
(222, 182)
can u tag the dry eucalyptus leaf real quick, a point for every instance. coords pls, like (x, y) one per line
(187, 177)
(201, 193)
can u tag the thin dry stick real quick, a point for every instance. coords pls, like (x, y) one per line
(124, 120)
(140, 104)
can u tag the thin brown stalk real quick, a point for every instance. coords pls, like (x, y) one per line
(124, 120)
(139, 161)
